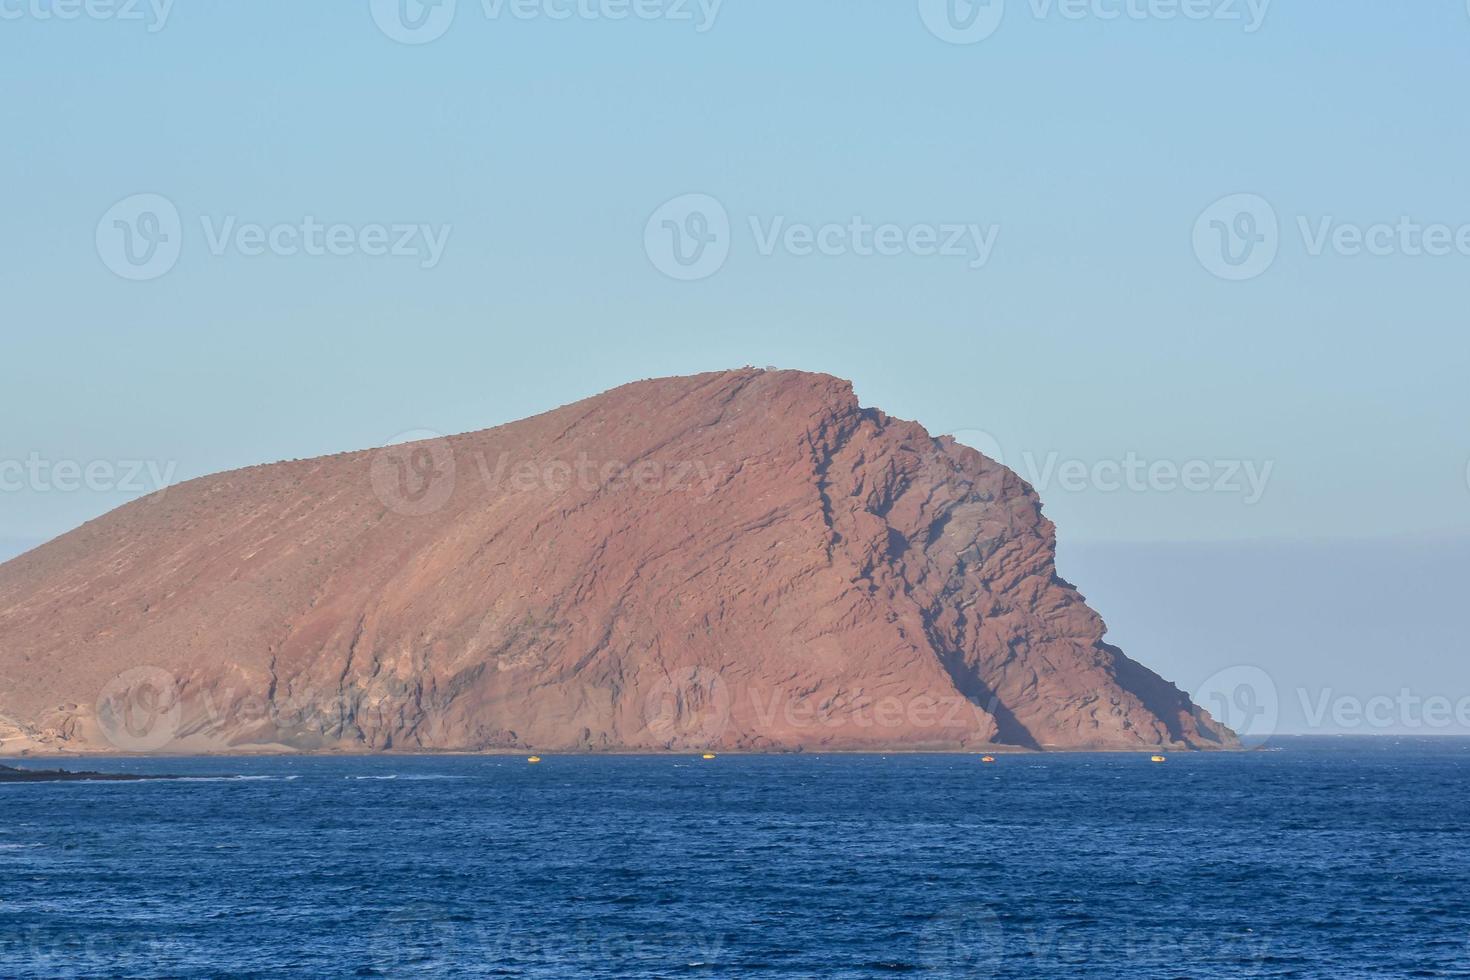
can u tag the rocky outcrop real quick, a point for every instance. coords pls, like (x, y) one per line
(11, 775)
(740, 560)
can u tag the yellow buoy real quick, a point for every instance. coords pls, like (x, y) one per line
(709, 755)
(534, 759)
(1159, 758)
(988, 758)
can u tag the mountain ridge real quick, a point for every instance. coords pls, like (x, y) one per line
(741, 560)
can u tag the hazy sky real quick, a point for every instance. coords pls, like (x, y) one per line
(1168, 361)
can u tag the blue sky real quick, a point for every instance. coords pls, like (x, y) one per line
(534, 151)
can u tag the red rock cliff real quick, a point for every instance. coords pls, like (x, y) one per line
(745, 559)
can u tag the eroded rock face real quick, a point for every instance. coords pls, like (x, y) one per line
(739, 560)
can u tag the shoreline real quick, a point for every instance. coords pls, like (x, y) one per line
(34, 756)
(615, 753)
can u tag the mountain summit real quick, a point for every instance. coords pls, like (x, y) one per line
(739, 560)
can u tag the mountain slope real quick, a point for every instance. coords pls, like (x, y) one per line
(745, 559)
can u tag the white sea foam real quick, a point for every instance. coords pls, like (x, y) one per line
(231, 779)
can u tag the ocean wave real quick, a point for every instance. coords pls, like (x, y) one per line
(232, 779)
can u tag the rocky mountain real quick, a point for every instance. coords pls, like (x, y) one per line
(739, 560)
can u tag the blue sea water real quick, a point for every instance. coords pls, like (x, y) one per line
(1322, 858)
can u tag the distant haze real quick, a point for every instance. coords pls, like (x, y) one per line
(1337, 626)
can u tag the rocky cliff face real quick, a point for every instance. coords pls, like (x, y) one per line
(740, 560)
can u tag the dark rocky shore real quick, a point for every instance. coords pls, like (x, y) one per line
(10, 775)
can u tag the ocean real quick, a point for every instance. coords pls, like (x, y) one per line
(1317, 858)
